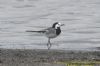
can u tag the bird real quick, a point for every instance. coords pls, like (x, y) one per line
(51, 32)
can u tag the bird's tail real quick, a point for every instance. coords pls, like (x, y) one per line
(36, 31)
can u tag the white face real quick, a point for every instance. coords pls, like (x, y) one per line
(57, 25)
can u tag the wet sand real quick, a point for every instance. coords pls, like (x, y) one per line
(43, 57)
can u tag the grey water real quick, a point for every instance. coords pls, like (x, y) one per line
(81, 19)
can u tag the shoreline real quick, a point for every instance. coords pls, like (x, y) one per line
(31, 56)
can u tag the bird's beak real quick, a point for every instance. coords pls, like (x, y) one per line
(62, 24)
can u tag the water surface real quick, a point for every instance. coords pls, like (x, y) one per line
(82, 19)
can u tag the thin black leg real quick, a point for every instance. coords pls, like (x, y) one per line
(49, 44)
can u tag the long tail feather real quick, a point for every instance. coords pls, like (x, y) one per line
(36, 31)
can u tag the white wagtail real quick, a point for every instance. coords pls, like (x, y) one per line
(51, 32)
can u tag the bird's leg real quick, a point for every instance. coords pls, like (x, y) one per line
(49, 44)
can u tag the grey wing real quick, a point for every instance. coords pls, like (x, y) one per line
(50, 32)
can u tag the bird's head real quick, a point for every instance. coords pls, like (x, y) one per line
(57, 25)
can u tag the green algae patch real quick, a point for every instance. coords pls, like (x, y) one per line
(80, 63)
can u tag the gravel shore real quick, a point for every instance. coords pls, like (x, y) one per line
(43, 57)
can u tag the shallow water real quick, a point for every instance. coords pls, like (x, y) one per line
(81, 32)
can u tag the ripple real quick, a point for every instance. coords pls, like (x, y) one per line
(80, 42)
(24, 6)
(85, 32)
